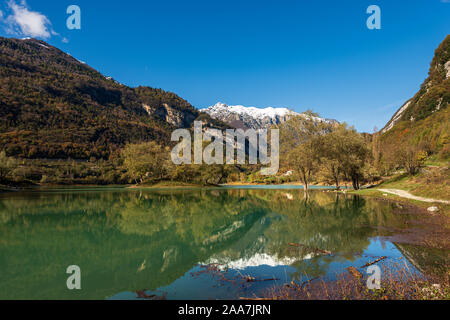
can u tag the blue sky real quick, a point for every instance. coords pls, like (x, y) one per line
(315, 55)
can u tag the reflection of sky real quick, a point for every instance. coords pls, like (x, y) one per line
(209, 286)
(276, 187)
(128, 240)
(374, 251)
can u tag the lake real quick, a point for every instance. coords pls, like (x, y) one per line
(195, 243)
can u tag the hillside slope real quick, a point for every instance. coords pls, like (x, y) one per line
(54, 106)
(424, 120)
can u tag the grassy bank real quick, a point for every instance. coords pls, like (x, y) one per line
(432, 182)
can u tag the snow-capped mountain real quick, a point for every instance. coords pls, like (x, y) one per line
(251, 117)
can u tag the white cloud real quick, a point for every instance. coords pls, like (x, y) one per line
(25, 22)
(1, 14)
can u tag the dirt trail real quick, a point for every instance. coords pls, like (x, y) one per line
(406, 194)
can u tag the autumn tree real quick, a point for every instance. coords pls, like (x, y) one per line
(343, 153)
(305, 161)
(354, 153)
(146, 161)
(330, 153)
(7, 165)
(299, 145)
(411, 158)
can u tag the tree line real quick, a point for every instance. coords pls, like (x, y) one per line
(322, 152)
(314, 152)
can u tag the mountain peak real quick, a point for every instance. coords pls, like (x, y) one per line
(251, 117)
(257, 112)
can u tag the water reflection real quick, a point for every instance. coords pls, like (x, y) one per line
(135, 240)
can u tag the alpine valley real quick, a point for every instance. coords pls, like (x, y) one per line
(62, 122)
(88, 178)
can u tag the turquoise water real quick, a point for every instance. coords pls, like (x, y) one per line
(188, 243)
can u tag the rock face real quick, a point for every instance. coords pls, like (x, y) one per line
(251, 117)
(396, 118)
(177, 118)
(447, 68)
(424, 120)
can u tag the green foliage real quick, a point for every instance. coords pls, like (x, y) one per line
(321, 151)
(434, 94)
(7, 165)
(304, 159)
(429, 136)
(146, 161)
(425, 122)
(66, 172)
(343, 154)
(411, 158)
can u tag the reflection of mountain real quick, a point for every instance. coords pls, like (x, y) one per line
(251, 249)
(256, 260)
(128, 240)
(114, 255)
(325, 221)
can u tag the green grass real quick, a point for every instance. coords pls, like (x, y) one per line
(430, 183)
(404, 182)
(435, 161)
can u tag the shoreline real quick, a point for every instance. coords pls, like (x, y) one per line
(443, 208)
(366, 191)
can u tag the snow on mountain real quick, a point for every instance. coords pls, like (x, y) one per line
(254, 112)
(251, 117)
(256, 260)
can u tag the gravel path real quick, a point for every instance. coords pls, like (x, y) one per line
(406, 194)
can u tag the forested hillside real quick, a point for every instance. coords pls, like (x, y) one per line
(54, 106)
(423, 122)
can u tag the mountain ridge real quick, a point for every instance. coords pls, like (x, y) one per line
(55, 106)
(424, 120)
(253, 118)
(434, 93)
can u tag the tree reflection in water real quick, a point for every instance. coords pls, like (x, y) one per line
(127, 240)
